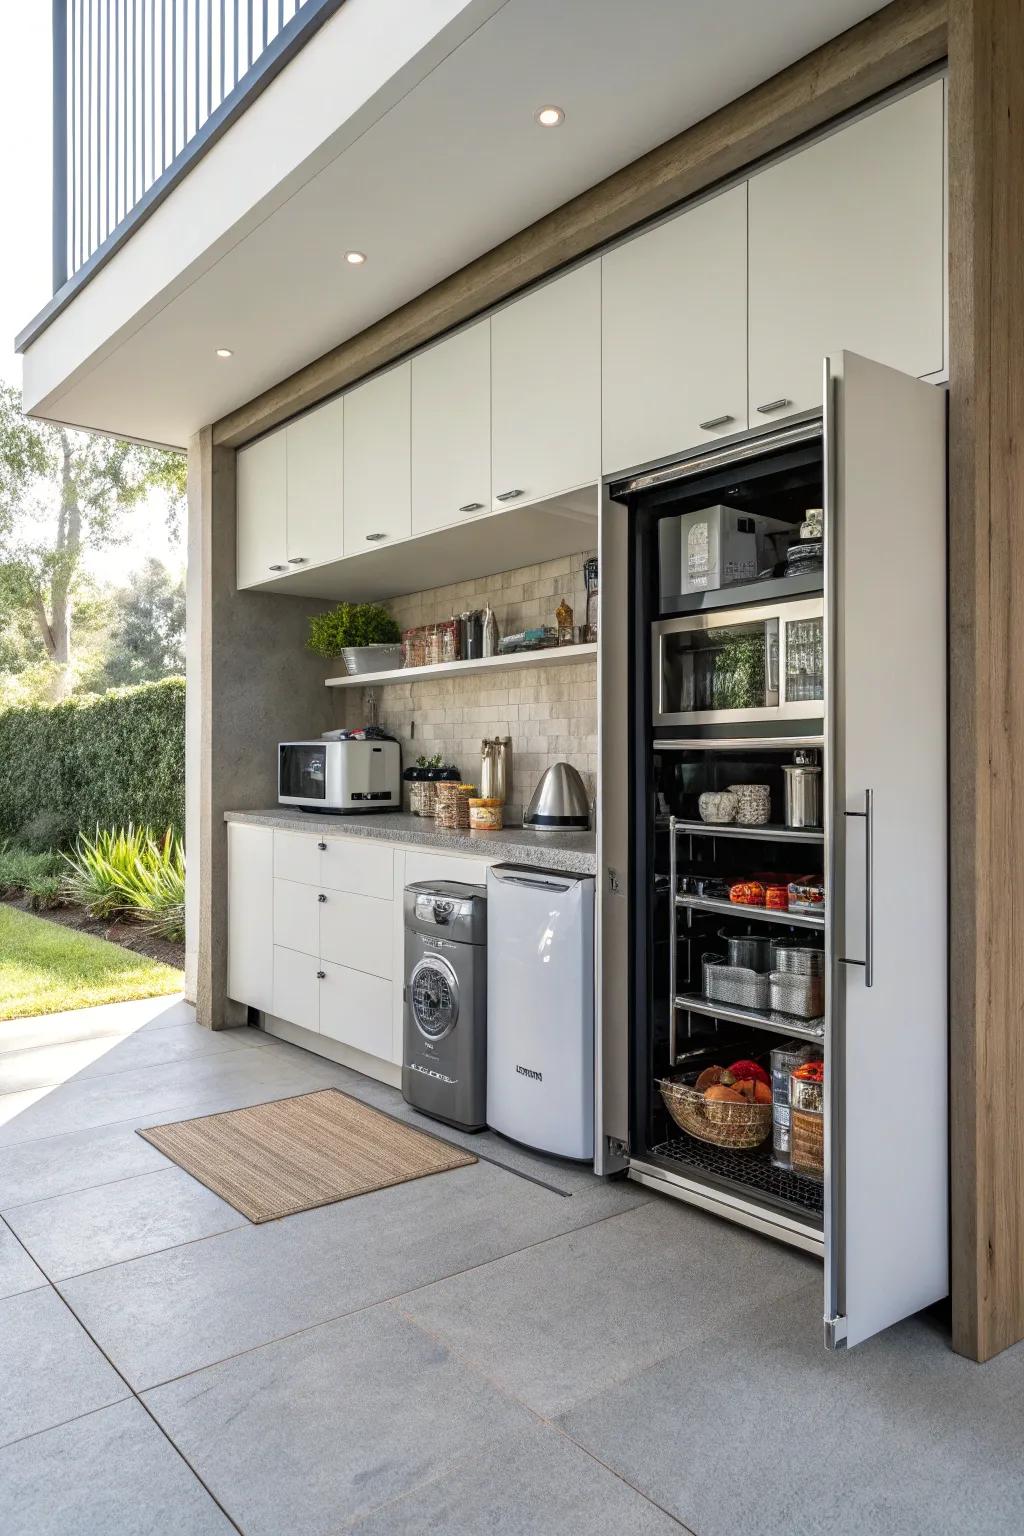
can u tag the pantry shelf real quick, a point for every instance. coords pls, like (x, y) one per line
(776, 1023)
(552, 656)
(763, 914)
(765, 834)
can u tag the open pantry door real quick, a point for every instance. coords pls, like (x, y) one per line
(886, 1197)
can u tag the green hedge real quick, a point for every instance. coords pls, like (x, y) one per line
(99, 760)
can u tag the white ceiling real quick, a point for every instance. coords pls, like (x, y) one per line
(455, 167)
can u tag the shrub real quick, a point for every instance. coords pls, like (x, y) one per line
(130, 872)
(93, 761)
(351, 624)
(20, 869)
(44, 892)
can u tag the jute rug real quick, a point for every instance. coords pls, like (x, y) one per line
(275, 1159)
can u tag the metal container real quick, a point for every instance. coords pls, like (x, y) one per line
(748, 950)
(495, 768)
(797, 959)
(803, 996)
(734, 984)
(559, 801)
(364, 659)
(803, 795)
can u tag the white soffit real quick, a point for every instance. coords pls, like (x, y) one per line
(440, 164)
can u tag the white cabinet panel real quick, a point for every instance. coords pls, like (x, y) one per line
(314, 477)
(356, 1009)
(546, 390)
(846, 251)
(674, 335)
(451, 430)
(377, 462)
(358, 865)
(250, 915)
(260, 498)
(357, 931)
(443, 866)
(295, 987)
(296, 916)
(297, 857)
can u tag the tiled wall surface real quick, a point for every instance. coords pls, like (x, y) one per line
(549, 712)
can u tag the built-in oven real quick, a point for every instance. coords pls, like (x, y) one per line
(751, 664)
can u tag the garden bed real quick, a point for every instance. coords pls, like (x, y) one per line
(127, 934)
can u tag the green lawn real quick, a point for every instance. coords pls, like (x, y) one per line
(46, 968)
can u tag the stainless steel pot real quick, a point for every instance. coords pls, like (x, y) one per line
(748, 950)
(803, 795)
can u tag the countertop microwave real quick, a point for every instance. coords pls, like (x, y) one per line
(340, 777)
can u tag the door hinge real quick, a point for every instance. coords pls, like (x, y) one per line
(835, 1332)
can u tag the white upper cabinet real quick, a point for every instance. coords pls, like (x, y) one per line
(314, 474)
(377, 470)
(674, 335)
(451, 430)
(546, 390)
(847, 251)
(261, 549)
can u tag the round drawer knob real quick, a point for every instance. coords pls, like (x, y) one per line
(321, 897)
(322, 847)
(320, 975)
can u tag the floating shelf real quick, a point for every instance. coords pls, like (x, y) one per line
(553, 656)
(777, 1023)
(763, 914)
(768, 834)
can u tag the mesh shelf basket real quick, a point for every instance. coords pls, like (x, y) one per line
(735, 984)
(803, 996)
(720, 1124)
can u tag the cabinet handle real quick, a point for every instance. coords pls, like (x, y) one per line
(772, 405)
(321, 897)
(472, 506)
(322, 847)
(321, 975)
(375, 538)
(507, 495)
(297, 559)
(715, 421)
(867, 815)
(277, 567)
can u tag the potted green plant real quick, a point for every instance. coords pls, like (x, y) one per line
(365, 634)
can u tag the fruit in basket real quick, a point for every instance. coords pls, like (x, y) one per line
(707, 1077)
(750, 1069)
(762, 1093)
(719, 1093)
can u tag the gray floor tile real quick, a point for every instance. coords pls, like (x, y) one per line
(331, 1423)
(145, 1013)
(899, 1435)
(111, 1473)
(173, 1312)
(17, 1271)
(172, 1089)
(50, 1370)
(46, 1065)
(114, 1222)
(537, 1483)
(566, 1318)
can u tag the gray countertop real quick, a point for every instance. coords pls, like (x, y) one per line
(574, 852)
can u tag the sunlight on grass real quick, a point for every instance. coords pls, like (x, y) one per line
(45, 968)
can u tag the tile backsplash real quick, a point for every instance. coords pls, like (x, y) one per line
(549, 712)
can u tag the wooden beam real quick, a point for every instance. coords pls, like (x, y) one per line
(888, 47)
(986, 152)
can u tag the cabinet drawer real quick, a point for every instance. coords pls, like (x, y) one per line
(444, 866)
(358, 931)
(295, 987)
(297, 857)
(364, 868)
(356, 1009)
(296, 916)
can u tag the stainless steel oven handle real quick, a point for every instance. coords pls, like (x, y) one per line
(867, 815)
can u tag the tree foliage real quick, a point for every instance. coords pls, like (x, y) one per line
(146, 637)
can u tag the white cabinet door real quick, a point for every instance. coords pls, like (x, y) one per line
(297, 916)
(356, 1009)
(444, 866)
(377, 489)
(451, 430)
(546, 390)
(358, 865)
(296, 986)
(297, 856)
(251, 915)
(357, 931)
(314, 453)
(260, 493)
(674, 335)
(887, 1189)
(846, 251)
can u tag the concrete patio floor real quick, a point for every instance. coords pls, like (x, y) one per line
(474, 1352)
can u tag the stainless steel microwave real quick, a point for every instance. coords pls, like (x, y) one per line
(740, 664)
(343, 777)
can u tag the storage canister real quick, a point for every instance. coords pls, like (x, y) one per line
(803, 795)
(486, 815)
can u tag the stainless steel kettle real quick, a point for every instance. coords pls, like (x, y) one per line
(559, 802)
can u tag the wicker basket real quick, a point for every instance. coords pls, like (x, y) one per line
(721, 1124)
(423, 797)
(451, 810)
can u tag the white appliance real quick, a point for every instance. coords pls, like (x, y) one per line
(540, 1008)
(340, 776)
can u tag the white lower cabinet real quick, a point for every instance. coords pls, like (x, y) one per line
(297, 857)
(356, 931)
(296, 916)
(250, 915)
(444, 866)
(355, 864)
(355, 1009)
(295, 987)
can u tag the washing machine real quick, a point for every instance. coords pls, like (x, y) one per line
(444, 1056)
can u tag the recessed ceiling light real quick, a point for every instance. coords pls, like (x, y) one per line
(550, 117)
(354, 258)
(224, 352)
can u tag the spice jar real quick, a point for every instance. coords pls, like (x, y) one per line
(486, 815)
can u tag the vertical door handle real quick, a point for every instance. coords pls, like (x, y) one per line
(867, 815)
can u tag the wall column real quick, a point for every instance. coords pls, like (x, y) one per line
(986, 154)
